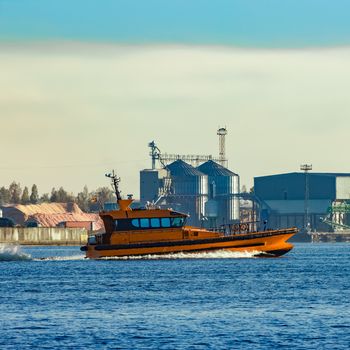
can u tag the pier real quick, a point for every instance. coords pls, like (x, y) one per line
(43, 236)
(343, 236)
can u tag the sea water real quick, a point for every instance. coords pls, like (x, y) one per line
(53, 298)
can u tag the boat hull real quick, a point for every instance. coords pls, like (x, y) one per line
(263, 244)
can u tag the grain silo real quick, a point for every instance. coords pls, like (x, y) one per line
(189, 190)
(223, 190)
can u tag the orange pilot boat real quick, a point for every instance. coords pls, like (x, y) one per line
(137, 232)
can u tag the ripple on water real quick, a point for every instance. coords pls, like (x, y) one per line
(184, 302)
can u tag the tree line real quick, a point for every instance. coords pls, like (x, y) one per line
(87, 201)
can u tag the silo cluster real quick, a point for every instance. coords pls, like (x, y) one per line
(207, 193)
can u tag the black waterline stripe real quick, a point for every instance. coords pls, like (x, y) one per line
(204, 249)
(185, 243)
(173, 245)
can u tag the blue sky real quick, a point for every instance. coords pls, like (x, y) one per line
(64, 70)
(247, 23)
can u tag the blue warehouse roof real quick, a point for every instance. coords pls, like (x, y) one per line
(291, 186)
(310, 173)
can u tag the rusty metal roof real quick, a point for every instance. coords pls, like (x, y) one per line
(52, 220)
(51, 214)
(48, 208)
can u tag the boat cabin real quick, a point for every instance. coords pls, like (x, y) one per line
(139, 224)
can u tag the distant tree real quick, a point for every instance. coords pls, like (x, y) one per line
(15, 192)
(64, 197)
(102, 195)
(4, 196)
(25, 196)
(34, 196)
(83, 199)
(105, 194)
(45, 198)
(54, 195)
(61, 196)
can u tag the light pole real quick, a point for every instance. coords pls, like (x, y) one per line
(222, 132)
(306, 168)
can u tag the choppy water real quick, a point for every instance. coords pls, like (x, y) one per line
(51, 297)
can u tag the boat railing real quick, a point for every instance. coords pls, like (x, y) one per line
(237, 228)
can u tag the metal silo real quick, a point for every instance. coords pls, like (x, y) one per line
(223, 188)
(189, 190)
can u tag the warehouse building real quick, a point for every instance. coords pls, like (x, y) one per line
(283, 197)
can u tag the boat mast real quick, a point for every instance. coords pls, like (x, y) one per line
(115, 184)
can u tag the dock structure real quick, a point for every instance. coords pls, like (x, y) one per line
(43, 236)
(343, 236)
(311, 201)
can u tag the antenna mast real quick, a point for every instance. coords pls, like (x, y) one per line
(115, 184)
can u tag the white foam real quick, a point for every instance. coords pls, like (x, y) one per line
(12, 253)
(217, 254)
(62, 258)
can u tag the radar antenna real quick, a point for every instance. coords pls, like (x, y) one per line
(115, 184)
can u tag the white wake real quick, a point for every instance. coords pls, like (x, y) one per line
(219, 254)
(12, 253)
(62, 258)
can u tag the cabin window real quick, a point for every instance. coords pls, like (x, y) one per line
(144, 223)
(155, 222)
(135, 222)
(165, 222)
(177, 222)
(147, 223)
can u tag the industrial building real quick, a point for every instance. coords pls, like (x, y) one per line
(208, 191)
(314, 201)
